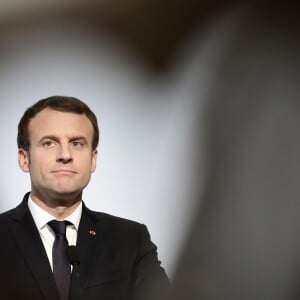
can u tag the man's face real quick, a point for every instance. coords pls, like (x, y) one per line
(60, 159)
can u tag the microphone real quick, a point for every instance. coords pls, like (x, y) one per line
(74, 260)
(73, 256)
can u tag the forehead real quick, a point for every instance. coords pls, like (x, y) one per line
(53, 122)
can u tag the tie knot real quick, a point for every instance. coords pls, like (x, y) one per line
(59, 227)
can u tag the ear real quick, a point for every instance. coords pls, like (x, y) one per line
(23, 159)
(94, 160)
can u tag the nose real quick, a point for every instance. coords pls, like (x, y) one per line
(64, 154)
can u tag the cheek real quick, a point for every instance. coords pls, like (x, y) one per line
(38, 162)
(93, 166)
(94, 161)
(87, 165)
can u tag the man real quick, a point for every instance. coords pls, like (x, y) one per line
(113, 258)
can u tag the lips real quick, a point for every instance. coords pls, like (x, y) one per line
(64, 171)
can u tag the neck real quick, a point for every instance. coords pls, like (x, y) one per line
(59, 208)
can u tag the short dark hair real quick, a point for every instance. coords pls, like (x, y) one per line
(60, 103)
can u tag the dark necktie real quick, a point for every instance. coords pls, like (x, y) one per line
(61, 265)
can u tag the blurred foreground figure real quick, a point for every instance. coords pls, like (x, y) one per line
(245, 241)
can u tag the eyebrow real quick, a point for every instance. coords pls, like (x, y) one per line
(76, 138)
(49, 137)
(55, 138)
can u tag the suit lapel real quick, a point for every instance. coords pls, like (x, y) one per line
(90, 238)
(86, 245)
(32, 249)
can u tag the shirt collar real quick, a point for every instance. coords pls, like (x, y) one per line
(42, 217)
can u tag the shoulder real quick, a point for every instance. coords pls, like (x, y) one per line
(113, 221)
(120, 231)
(16, 213)
(7, 221)
(6, 216)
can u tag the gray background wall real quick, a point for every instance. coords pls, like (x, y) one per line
(148, 124)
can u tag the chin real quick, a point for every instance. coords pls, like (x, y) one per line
(68, 194)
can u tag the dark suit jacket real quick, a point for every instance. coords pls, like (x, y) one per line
(119, 262)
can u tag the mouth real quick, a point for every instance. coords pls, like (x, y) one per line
(64, 171)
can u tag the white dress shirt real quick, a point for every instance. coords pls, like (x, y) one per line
(42, 217)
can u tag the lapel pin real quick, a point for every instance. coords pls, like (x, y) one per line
(92, 232)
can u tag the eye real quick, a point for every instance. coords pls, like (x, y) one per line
(77, 144)
(48, 144)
